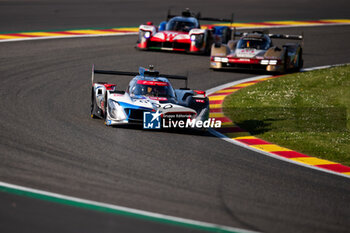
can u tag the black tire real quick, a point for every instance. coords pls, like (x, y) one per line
(93, 105)
(285, 64)
(300, 60)
(105, 111)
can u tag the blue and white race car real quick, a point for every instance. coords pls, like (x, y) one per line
(148, 91)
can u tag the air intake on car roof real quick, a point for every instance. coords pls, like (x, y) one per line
(148, 72)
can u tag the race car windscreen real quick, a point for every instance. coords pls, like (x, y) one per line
(152, 89)
(253, 43)
(181, 24)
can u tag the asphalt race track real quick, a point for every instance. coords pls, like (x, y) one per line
(49, 142)
(31, 15)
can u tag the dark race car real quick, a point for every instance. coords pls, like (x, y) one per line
(181, 33)
(256, 51)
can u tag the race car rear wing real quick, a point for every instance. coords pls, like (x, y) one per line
(274, 36)
(283, 36)
(142, 71)
(188, 13)
(217, 19)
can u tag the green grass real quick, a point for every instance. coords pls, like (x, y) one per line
(308, 112)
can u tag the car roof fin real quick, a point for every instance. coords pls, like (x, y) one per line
(148, 72)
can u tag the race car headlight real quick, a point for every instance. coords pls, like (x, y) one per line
(116, 111)
(264, 62)
(273, 62)
(217, 59)
(224, 59)
(268, 62)
(197, 39)
(147, 35)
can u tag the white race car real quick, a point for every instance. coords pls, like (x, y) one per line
(255, 51)
(148, 92)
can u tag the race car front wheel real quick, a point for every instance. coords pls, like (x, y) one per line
(105, 110)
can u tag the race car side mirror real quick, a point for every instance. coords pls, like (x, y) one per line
(162, 26)
(211, 27)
